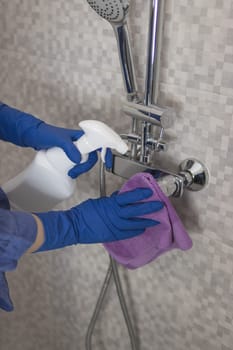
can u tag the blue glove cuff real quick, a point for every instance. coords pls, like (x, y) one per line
(58, 229)
(14, 124)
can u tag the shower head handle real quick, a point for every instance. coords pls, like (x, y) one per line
(126, 61)
(115, 12)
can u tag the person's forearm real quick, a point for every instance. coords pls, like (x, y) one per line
(40, 237)
(15, 123)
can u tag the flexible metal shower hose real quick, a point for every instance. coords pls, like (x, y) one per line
(112, 272)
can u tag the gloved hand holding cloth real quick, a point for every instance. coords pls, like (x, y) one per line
(98, 220)
(105, 219)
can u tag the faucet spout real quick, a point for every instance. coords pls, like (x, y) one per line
(191, 174)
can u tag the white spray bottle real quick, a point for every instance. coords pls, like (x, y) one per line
(45, 183)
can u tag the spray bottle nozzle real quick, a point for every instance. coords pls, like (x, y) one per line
(98, 135)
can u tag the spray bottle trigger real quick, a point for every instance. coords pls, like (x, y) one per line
(84, 158)
(102, 154)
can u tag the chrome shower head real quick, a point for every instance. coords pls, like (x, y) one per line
(114, 11)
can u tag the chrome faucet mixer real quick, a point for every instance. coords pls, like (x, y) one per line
(147, 116)
(145, 112)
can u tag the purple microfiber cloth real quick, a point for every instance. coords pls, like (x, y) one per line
(169, 234)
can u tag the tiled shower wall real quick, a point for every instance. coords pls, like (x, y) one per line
(58, 61)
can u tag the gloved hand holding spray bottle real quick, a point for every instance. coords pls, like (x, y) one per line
(45, 182)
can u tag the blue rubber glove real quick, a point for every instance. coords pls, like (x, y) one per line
(25, 130)
(99, 220)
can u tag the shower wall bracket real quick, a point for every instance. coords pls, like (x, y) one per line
(155, 115)
(143, 140)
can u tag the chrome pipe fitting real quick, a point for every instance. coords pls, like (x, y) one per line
(126, 61)
(149, 117)
(195, 174)
(155, 115)
(152, 73)
(156, 14)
